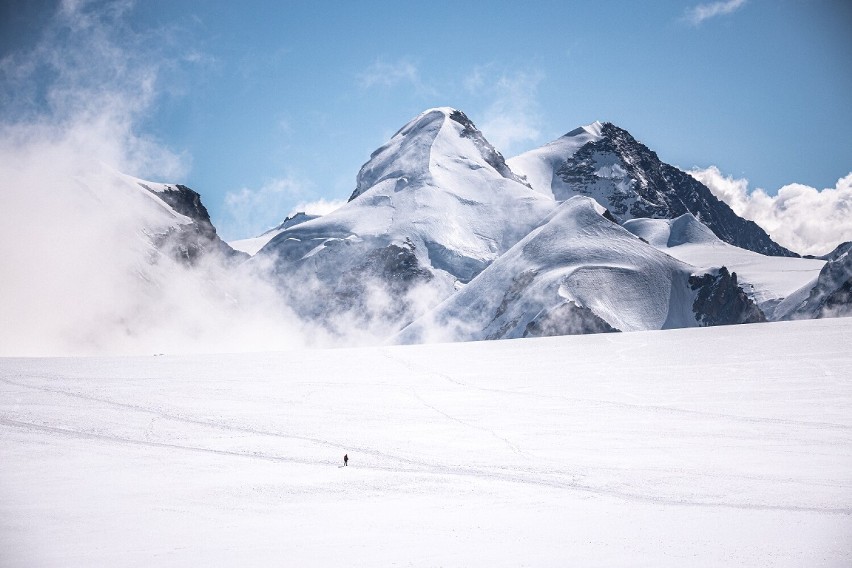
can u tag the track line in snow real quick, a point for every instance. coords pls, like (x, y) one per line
(434, 469)
(636, 406)
(210, 423)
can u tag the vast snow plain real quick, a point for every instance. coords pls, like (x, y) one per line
(695, 447)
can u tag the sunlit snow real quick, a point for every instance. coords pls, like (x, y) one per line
(696, 447)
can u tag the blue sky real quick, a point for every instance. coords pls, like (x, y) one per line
(269, 105)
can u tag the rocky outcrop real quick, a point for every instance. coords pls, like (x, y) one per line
(566, 319)
(644, 186)
(721, 301)
(831, 295)
(492, 156)
(189, 243)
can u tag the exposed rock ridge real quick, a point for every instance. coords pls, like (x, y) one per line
(658, 190)
(721, 301)
(188, 243)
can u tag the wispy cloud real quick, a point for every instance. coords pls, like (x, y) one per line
(799, 217)
(511, 117)
(390, 74)
(702, 12)
(249, 212)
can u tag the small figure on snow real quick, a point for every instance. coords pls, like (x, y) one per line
(345, 459)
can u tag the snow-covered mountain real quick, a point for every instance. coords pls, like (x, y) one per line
(441, 228)
(581, 272)
(605, 162)
(432, 208)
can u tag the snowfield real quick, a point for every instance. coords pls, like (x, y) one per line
(723, 446)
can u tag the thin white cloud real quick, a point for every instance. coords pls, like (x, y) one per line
(249, 212)
(511, 117)
(798, 217)
(702, 12)
(386, 74)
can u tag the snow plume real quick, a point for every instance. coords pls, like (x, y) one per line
(798, 217)
(80, 272)
(511, 118)
(702, 12)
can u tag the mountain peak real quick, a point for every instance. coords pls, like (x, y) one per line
(608, 164)
(437, 139)
(594, 129)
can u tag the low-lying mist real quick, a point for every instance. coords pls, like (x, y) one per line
(81, 275)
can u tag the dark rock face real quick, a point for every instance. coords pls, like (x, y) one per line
(839, 302)
(189, 243)
(721, 301)
(841, 249)
(567, 319)
(831, 296)
(493, 157)
(659, 190)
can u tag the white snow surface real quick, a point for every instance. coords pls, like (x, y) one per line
(251, 245)
(725, 446)
(766, 279)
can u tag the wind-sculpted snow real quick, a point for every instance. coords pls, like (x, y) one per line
(766, 279)
(577, 258)
(703, 447)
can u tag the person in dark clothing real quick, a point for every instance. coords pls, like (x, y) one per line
(345, 459)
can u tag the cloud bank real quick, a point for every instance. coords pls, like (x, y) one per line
(799, 217)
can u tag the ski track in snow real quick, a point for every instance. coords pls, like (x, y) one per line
(522, 477)
(395, 463)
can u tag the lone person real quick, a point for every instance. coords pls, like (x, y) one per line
(345, 459)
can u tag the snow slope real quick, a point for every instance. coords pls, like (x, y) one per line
(767, 279)
(670, 448)
(252, 245)
(578, 256)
